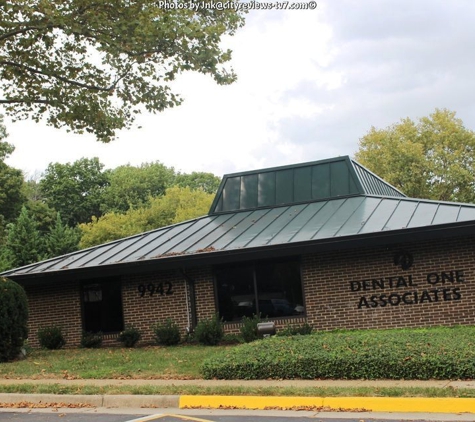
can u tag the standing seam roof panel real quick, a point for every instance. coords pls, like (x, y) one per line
(196, 240)
(339, 218)
(239, 229)
(358, 218)
(380, 216)
(255, 229)
(318, 220)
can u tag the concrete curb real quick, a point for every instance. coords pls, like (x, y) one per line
(370, 404)
(104, 400)
(349, 404)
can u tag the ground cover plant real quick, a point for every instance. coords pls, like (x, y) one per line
(438, 353)
(432, 353)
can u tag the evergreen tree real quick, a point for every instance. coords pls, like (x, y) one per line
(61, 238)
(23, 244)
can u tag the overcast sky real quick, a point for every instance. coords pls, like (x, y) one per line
(311, 84)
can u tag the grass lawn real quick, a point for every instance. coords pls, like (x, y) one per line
(179, 362)
(184, 362)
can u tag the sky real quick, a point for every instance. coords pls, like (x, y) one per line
(310, 84)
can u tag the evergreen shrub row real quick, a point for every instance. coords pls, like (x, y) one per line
(433, 353)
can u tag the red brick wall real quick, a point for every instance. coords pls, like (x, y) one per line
(331, 303)
(329, 299)
(145, 311)
(55, 305)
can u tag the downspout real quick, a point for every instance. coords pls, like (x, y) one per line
(191, 285)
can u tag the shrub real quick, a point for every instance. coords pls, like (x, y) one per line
(209, 331)
(13, 319)
(249, 328)
(129, 337)
(290, 330)
(91, 340)
(167, 334)
(436, 353)
(51, 338)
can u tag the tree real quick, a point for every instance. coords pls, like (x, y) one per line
(75, 190)
(62, 239)
(11, 181)
(433, 158)
(92, 66)
(208, 182)
(178, 204)
(13, 319)
(132, 187)
(24, 245)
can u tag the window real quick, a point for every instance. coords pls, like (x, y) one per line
(102, 306)
(271, 289)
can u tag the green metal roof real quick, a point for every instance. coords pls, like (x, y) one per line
(307, 182)
(357, 218)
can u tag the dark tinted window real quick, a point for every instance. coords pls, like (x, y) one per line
(102, 306)
(271, 289)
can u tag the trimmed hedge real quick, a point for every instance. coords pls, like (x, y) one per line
(433, 353)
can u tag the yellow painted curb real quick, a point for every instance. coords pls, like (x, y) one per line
(374, 404)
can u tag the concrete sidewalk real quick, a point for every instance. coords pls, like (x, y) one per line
(349, 404)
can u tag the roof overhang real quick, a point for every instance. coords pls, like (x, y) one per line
(386, 239)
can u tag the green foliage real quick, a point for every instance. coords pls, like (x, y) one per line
(129, 337)
(206, 182)
(11, 181)
(75, 190)
(91, 340)
(436, 353)
(293, 330)
(132, 187)
(176, 205)
(51, 338)
(249, 328)
(11, 191)
(93, 67)
(209, 332)
(62, 239)
(433, 158)
(23, 245)
(13, 319)
(167, 334)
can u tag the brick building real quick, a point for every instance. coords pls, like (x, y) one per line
(326, 242)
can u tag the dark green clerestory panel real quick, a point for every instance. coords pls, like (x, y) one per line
(300, 183)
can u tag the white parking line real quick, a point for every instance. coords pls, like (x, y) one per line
(163, 415)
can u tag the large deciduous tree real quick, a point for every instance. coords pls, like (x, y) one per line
(11, 181)
(207, 182)
(75, 190)
(132, 187)
(432, 158)
(92, 65)
(178, 204)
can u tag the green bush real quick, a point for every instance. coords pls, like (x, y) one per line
(129, 337)
(91, 340)
(293, 330)
(435, 353)
(51, 338)
(249, 328)
(167, 334)
(13, 319)
(209, 331)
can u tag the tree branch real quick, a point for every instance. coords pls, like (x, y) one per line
(20, 100)
(60, 78)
